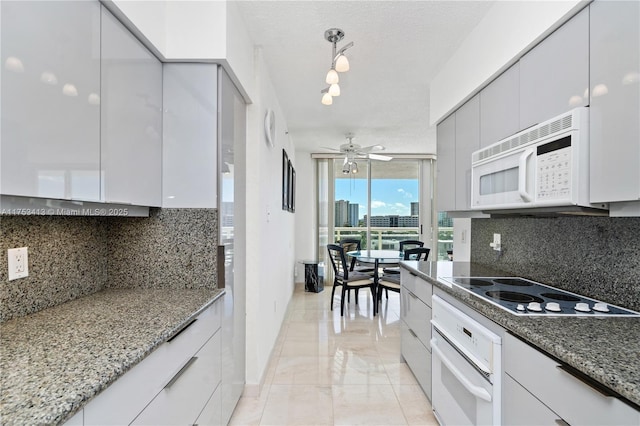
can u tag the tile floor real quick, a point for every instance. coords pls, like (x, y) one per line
(328, 370)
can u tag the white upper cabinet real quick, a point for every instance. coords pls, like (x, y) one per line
(190, 130)
(500, 107)
(467, 141)
(615, 101)
(457, 137)
(554, 75)
(50, 142)
(446, 164)
(131, 128)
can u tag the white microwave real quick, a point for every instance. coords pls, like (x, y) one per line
(546, 165)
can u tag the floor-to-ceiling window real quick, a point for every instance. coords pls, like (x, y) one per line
(382, 203)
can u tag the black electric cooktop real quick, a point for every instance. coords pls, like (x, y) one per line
(521, 296)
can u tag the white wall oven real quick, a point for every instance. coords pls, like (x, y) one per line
(466, 368)
(546, 165)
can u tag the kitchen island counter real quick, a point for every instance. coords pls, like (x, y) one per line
(606, 349)
(54, 361)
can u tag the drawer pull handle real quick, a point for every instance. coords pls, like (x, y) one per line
(598, 387)
(561, 422)
(177, 333)
(180, 372)
(413, 333)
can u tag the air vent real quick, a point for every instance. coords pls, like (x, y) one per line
(531, 135)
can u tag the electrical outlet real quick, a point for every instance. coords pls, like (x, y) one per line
(18, 260)
(497, 242)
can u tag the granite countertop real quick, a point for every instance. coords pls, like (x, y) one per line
(54, 361)
(607, 349)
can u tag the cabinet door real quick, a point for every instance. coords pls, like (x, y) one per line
(187, 393)
(131, 127)
(190, 127)
(500, 107)
(417, 356)
(520, 408)
(554, 75)
(578, 402)
(50, 99)
(467, 141)
(446, 164)
(212, 412)
(615, 101)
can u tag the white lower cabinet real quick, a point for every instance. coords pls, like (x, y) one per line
(170, 386)
(521, 408)
(417, 357)
(554, 385)
(212, 412)
(188, 391)
(415, 340)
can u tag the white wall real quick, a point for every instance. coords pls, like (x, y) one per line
(506, 32)
(270, 231)
(149, 17)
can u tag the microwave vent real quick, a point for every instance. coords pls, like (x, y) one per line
(534, 134)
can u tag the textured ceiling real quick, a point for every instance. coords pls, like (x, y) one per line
(399, 47)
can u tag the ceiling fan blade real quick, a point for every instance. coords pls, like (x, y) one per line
(330, 149)
(372, 148)
(380, 157)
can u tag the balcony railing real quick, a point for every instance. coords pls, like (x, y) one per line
(388, 238)
(381, 238)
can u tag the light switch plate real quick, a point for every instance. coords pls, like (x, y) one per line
(18, 260)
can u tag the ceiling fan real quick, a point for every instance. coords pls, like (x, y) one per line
(354, 151)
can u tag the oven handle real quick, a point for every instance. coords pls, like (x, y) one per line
(522, 175)
(478, 391)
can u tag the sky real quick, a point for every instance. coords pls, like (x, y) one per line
(388, 196)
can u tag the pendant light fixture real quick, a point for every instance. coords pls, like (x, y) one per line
(327, 99)
(339, 63)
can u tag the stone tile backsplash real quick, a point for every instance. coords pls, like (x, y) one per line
(173, 248)
(594, 256)
(74, 256)
(67, 260)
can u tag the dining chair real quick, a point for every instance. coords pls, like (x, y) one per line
(346, 278)
(392, 281)
(354, 244)
(404, 245)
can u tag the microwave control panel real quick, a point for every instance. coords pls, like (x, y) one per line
(554, 170)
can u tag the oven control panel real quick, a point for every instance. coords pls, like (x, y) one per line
(470, 338)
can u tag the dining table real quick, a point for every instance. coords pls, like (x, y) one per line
(377, 258)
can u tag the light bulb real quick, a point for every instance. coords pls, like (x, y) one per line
(342, 64)
(332, 77)
(346, 168)
(334, 90)
(354, 168)
(327, 99)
